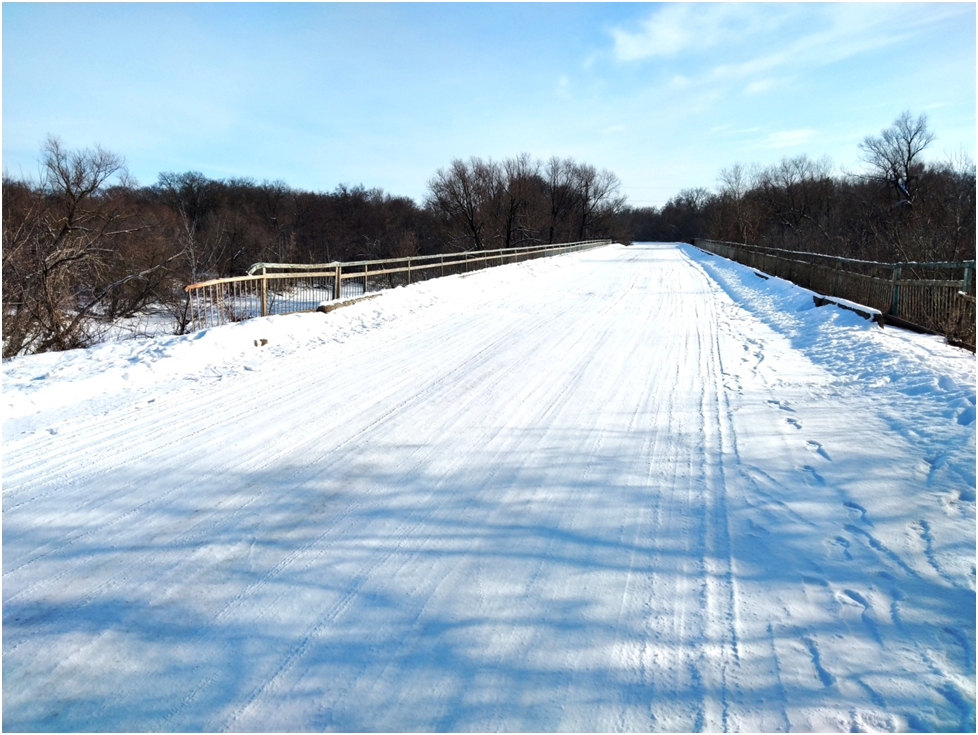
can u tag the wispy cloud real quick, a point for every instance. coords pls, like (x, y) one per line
(839, 32)
(676, 29)
(749, 40)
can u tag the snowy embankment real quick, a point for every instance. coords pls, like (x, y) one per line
(631, 489)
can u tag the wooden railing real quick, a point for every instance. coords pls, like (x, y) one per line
(932, 297)
(284, 288)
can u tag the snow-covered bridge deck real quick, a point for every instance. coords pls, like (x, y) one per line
(631, 489)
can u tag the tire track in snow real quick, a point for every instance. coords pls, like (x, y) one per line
(212, 401)
(214, 446)
(683, 603)
(460, 408)
(561, 398)
(173, 428)
(201, 529)
(566, 409)
(722, 601)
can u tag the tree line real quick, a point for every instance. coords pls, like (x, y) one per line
(900, 208)
(84, 245)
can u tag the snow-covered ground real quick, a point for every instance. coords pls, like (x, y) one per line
(630, 489)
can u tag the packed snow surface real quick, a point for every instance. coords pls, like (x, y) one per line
(630, 489)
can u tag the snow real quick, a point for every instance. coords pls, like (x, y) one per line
(630, 489)
(867, 312)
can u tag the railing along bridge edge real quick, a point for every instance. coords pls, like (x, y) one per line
(938, 305)
(265, 290)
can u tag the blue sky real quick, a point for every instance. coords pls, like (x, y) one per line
(315, 95)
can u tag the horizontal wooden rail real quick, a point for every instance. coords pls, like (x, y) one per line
(438, 257)
(303, 287)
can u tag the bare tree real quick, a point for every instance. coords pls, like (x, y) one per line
(685, 213)
(559, 189)
(68, 252)
(193, 199)
(893, 156)
(597, 198)
(798, 193)
(738, 217)
(521, 176)
(463, 194)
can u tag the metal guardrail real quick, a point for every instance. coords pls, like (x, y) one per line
(284, 288)
(936, 297)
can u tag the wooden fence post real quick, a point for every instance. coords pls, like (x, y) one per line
(895, 297)
(264, 293)
(337, 290)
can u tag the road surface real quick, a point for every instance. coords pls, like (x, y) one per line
(588, 493)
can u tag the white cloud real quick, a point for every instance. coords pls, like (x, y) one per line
(837, 32)
(678, 28)
(760, 46)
